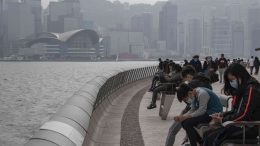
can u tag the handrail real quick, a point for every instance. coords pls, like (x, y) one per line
(69, 126)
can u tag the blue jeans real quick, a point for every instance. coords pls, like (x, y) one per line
(174, 129)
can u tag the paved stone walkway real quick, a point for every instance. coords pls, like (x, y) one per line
(127, 122)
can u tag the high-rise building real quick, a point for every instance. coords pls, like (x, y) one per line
(254, 28)
(168, 23)
(21, 22)
(221, 36)
(181, 38)
(1, 27)
(64, 16)
(194, 42)
(36, 10)
(143, 23)
(238, 39)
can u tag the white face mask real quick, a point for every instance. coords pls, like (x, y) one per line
(234, 84)
(190, 100)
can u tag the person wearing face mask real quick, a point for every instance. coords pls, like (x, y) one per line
(189, 76)
(245, 106)
(204, 103)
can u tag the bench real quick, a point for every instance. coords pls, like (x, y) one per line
(226, 101)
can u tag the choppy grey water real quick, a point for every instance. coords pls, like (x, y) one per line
(30, 92)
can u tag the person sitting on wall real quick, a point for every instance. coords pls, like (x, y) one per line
(172, 79)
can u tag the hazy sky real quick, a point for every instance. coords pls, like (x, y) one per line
(46, 2)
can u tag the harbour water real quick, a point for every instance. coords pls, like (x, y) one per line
(31, 92)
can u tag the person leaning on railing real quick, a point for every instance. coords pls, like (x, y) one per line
(246, 107)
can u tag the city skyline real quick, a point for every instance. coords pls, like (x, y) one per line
(45, 3)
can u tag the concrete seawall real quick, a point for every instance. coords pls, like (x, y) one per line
(70, 125)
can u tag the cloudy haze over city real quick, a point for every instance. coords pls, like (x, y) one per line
(146, 30)
(46, 2)
(77, 72)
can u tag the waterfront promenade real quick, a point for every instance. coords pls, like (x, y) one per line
(127, 122)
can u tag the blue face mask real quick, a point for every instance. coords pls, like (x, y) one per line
(234, 84)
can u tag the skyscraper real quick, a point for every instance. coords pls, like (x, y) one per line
(64, 16)
(168, 24)
(1, 27)
(221, 36)
(194, 43)
(20, 22)
(36, 10)
(254, 28)
(181, 38)
(143, 23)
(238, 39)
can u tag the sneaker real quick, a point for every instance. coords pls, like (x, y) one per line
(151, 106)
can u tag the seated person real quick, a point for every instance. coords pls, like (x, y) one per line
(157, 75)
(204, 103)
(246, 106)
(173, 78)
(194, 80)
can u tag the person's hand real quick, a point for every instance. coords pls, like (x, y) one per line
(181, 118)
(177, 118)
(217, 117)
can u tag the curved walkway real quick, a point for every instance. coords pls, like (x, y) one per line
(126, 121)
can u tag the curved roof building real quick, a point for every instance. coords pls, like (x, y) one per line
(75, 44)
(66, 37)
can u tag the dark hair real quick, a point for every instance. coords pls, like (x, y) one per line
(182, 92)
(239, 72)
(188, 70)
(177, 68)
(196, 56)
(165, 67)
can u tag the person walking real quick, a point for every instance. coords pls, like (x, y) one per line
(251, 64)
(256, 65)
(222, 65)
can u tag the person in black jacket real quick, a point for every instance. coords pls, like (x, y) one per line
(173, 78)
(195, 62)
(246, 105)
(256, 65)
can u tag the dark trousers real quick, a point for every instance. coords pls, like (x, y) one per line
(251, 69)
(156, 91)
(155, 79)
(256, 70)
(218, 136)
(174, 129)
(189, 124)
